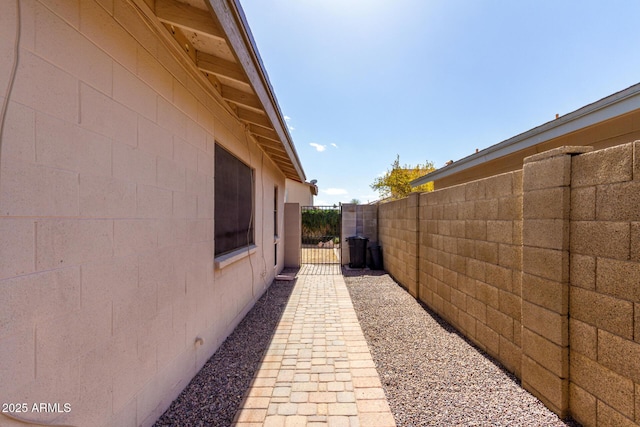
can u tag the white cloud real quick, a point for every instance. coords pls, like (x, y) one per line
(318, 146)
(368, 197)
(334, 191)
(287, 119)
(334, 145)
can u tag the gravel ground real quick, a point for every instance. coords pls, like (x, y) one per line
(214, 395)
(433, 376)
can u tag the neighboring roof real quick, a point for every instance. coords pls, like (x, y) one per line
(607, 108)
(215, 35)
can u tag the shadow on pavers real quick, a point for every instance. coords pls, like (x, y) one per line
(216, 393)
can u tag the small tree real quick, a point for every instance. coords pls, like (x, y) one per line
(355, 201)
(395, 182)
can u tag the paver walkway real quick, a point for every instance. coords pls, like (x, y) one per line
(317, 370)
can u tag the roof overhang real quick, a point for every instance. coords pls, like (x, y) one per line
(605, 109)
(213, 39)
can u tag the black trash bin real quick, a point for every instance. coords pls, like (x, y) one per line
(357, 251)
(375, 253)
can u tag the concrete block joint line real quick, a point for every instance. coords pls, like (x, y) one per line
(318, 369)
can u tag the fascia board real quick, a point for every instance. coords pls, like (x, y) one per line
(607, 108)
(234, 24)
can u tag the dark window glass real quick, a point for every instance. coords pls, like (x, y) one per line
(275, 211)
(275, 224)
(233, 215)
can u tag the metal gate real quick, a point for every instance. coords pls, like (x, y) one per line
(321, 239)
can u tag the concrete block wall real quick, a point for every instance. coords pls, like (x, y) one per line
(540, 268)
(349, 222)
(358, 220)
(604, 326)
(470, 261)
(397, 231)
(545, 276)
(106, 216)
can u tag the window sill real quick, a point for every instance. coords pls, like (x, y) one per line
(222, 261)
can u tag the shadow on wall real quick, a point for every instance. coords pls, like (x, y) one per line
(215, 394)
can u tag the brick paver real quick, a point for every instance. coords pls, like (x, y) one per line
(318, 369)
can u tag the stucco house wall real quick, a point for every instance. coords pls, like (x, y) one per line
(107, 276)
(300, 192)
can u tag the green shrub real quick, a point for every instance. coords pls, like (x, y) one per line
(321, 225)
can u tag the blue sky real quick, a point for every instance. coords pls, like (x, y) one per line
(361, 81)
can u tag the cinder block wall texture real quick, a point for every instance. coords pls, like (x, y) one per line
(398, 234)
(541, 269)
(604, 325)
(106, 217)
(470, 260)
(358, 220)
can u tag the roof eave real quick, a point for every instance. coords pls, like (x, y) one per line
(607, 108)
(234, 24)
